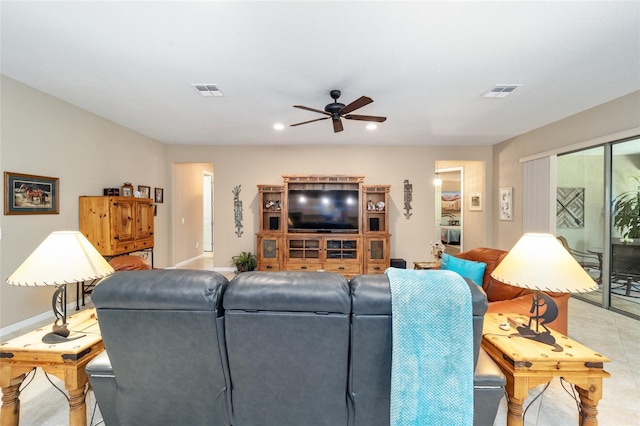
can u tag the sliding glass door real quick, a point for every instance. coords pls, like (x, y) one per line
(625, 226)
(597, 219)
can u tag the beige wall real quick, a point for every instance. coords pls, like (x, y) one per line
(249, 166)
(187, 217)
(46, 136)
(42, 135)
(599, 123)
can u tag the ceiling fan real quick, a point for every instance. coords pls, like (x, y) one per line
(336, 111)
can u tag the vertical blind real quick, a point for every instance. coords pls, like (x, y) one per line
(538, 195)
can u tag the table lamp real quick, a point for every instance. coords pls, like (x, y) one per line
(539, 262)
(64, 257)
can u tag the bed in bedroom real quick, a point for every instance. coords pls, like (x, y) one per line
(450, 235)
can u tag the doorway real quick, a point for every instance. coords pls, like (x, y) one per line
(207, 211)
(449, 209)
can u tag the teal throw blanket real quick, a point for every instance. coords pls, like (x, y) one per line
(432, 358)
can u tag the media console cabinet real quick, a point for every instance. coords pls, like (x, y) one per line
(362, 249)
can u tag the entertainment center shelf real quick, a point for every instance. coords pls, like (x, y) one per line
(327, 223)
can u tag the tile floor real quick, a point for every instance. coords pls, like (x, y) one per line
(612, 334)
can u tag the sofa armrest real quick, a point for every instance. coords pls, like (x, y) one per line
(104, 385)
(488, 386)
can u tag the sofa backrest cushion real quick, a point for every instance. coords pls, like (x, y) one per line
(164, 332)
(371, 343)
(287, 336)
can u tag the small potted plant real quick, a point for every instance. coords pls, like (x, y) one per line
(625, 212)
(245, 261)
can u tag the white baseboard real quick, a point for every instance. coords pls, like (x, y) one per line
(184, 262)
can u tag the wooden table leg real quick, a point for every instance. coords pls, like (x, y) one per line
(10, 412)
(518, 389)
(77, 407)
(514, 415)
(588, 409)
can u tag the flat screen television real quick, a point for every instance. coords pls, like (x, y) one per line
(316, 210)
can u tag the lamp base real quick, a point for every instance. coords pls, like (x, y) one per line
(542, 337)
(60, 334)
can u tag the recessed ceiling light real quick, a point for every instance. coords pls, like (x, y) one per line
(372, 126)
(278, 126)
(500, 90)
(207, 89)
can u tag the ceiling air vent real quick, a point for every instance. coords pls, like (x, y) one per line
(207, 89)
(500, 90)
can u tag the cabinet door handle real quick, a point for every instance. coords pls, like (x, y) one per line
(269, 267)
(341, 268)
(377, 268)
(303, 267)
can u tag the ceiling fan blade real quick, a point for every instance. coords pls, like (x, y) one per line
(358, 103)
(337, 126)
(310, 121)
(311, 109)
(365, 118)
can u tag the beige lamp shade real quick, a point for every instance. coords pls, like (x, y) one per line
(540, 262)
(64, 257)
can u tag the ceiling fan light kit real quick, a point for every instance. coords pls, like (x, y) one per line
(336, 111)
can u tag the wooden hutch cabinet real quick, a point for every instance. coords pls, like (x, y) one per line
(362, 248)
(117, 225)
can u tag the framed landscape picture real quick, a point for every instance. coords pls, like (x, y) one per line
(30, 194)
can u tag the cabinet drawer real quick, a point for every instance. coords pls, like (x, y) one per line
(144, 243)
(125, 247)
(269, 266)
(304, 266)
(376, 268)
(343, 267)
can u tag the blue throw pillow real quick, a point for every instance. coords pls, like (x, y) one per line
(466, 268)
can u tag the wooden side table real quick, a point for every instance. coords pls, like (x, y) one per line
(426, 265)
(64, 360)
(527, 364)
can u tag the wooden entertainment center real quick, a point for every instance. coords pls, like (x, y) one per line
(363, 248)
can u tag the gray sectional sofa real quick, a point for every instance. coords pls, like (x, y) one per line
(268, 348)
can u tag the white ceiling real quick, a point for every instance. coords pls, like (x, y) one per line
(425, 64)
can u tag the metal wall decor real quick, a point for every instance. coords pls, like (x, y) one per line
(570, 208)
(237, 210)
(408, 197)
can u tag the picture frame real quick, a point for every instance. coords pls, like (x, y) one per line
(506, 203)
(31, 194)
(126, 190)
(159, 195)
(145, 191)
(475, 201)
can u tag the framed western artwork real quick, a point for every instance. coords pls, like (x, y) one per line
(30, 194)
